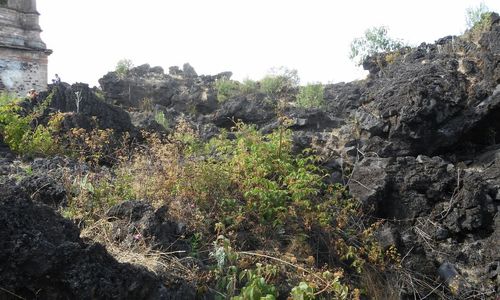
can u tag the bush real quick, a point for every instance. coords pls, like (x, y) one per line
(226, 88)
(160, 119)
(123, 67)
(376, 40)
(18, 133)
(280, 82)
(249, 190)
(249, 86)
(311, 95)
(475, 15)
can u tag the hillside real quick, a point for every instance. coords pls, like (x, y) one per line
(187, 186)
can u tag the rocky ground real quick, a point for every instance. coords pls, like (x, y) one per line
(418, 141)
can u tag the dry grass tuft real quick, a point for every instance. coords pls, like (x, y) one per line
(163, 264)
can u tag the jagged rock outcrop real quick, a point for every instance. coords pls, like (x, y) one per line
(42, 256)
(135, 221)
(89, 111)
(427, 155)
(182, 90)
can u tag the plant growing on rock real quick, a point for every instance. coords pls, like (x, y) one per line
(375, 40)
(251, 188)
(160, 119)
(249, 86)
(226, 88)
(279, 83)
(475, 15)
(311, 95)
(19, 132)
(123, 67)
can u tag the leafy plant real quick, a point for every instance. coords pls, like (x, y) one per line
(268, 178)
(302, 292)
(311, 95)
(279, 82)
(160, 119)
(123, 67)
(256, 287)
(18, 132)
(474, 15)
(249, 86)
(375, 40)
(226, 88)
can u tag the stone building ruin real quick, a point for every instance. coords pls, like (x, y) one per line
(23, 54)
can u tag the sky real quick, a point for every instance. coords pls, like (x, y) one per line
(247, 37)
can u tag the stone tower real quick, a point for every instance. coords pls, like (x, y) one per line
(23, 54)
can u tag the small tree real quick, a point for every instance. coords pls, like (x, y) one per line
(123, 67)
(376, 40)
(474, 15)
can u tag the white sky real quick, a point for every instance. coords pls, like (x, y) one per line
(247, 37)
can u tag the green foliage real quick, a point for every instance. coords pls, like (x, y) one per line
(195, 242)
(311, 95)
(376, 40)
(302, 292)
(123, 67)
(230, 279)
(249, 86)
(93, 194)
(256, 287)
(244, 182)
(226, 88)
(475, 15)
(279, 82)
(160, 119)
(254, 175)
(3, 2)
(18, 133)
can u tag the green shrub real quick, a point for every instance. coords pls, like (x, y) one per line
(160, 119)
(311, 95)
(123, 67)
(475, 15)
(375, 40)
(258, 174)
(226, 88)
(249, 86)
(280, 82)
(17, 131)
(13, 126)
(93, 194)
(303, 292)
(251, 184)
(256, 287)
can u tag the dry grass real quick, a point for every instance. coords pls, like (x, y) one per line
(163, 264)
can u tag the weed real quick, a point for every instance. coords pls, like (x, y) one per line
(160, 119)
(226, 88)
(279, 83)
(311, 95)
(249, 86)
(123, 67)
(18, 131)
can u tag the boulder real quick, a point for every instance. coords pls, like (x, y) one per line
(136, 221)
(42, 256)
(182, 90)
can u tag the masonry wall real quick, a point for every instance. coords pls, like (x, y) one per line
(22, 70)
